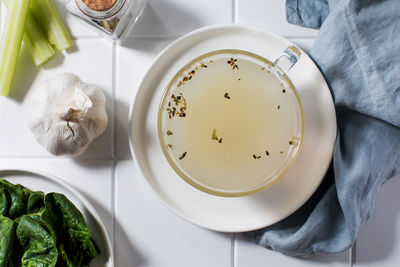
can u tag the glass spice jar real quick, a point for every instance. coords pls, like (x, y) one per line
(114, 18)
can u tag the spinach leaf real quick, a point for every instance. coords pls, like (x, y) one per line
(42, 230)
(64, 261)
(3, 201)
(17, 197)
(7, 236)
(37, 241)
(35, 202)
(74, 236)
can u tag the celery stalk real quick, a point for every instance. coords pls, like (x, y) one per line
(49, 19)
(11, 40)
(36, 42)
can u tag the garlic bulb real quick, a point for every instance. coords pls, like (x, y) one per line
(66, 114)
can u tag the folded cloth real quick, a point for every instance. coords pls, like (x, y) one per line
(357, 50)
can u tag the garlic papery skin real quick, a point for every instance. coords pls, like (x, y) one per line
(65, 114)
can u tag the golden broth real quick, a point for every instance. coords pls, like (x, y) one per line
(230, 123)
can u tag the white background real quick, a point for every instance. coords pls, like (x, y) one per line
(143, 232)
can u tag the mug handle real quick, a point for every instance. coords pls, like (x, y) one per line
(287, 59)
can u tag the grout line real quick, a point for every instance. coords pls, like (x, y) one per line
(150, 37)
(113, 94)
(124, 158)
(155, 37)
(353, 254)
(113, 145)
(233, 11)
(85, 37)
(236, 9)
(113, 206)
(233, 263)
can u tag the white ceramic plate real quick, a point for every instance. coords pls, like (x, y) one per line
(40, 181)
(235, 214)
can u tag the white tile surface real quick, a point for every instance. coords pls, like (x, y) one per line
(270, 15)
(91, 60)
(378, 243)
(250, 254)
(147, 234)
(134, 59)
(163, 18)
(93, 178)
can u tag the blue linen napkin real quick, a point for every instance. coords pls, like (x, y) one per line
(357, 50)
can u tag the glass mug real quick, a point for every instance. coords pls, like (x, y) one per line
(230, 122)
